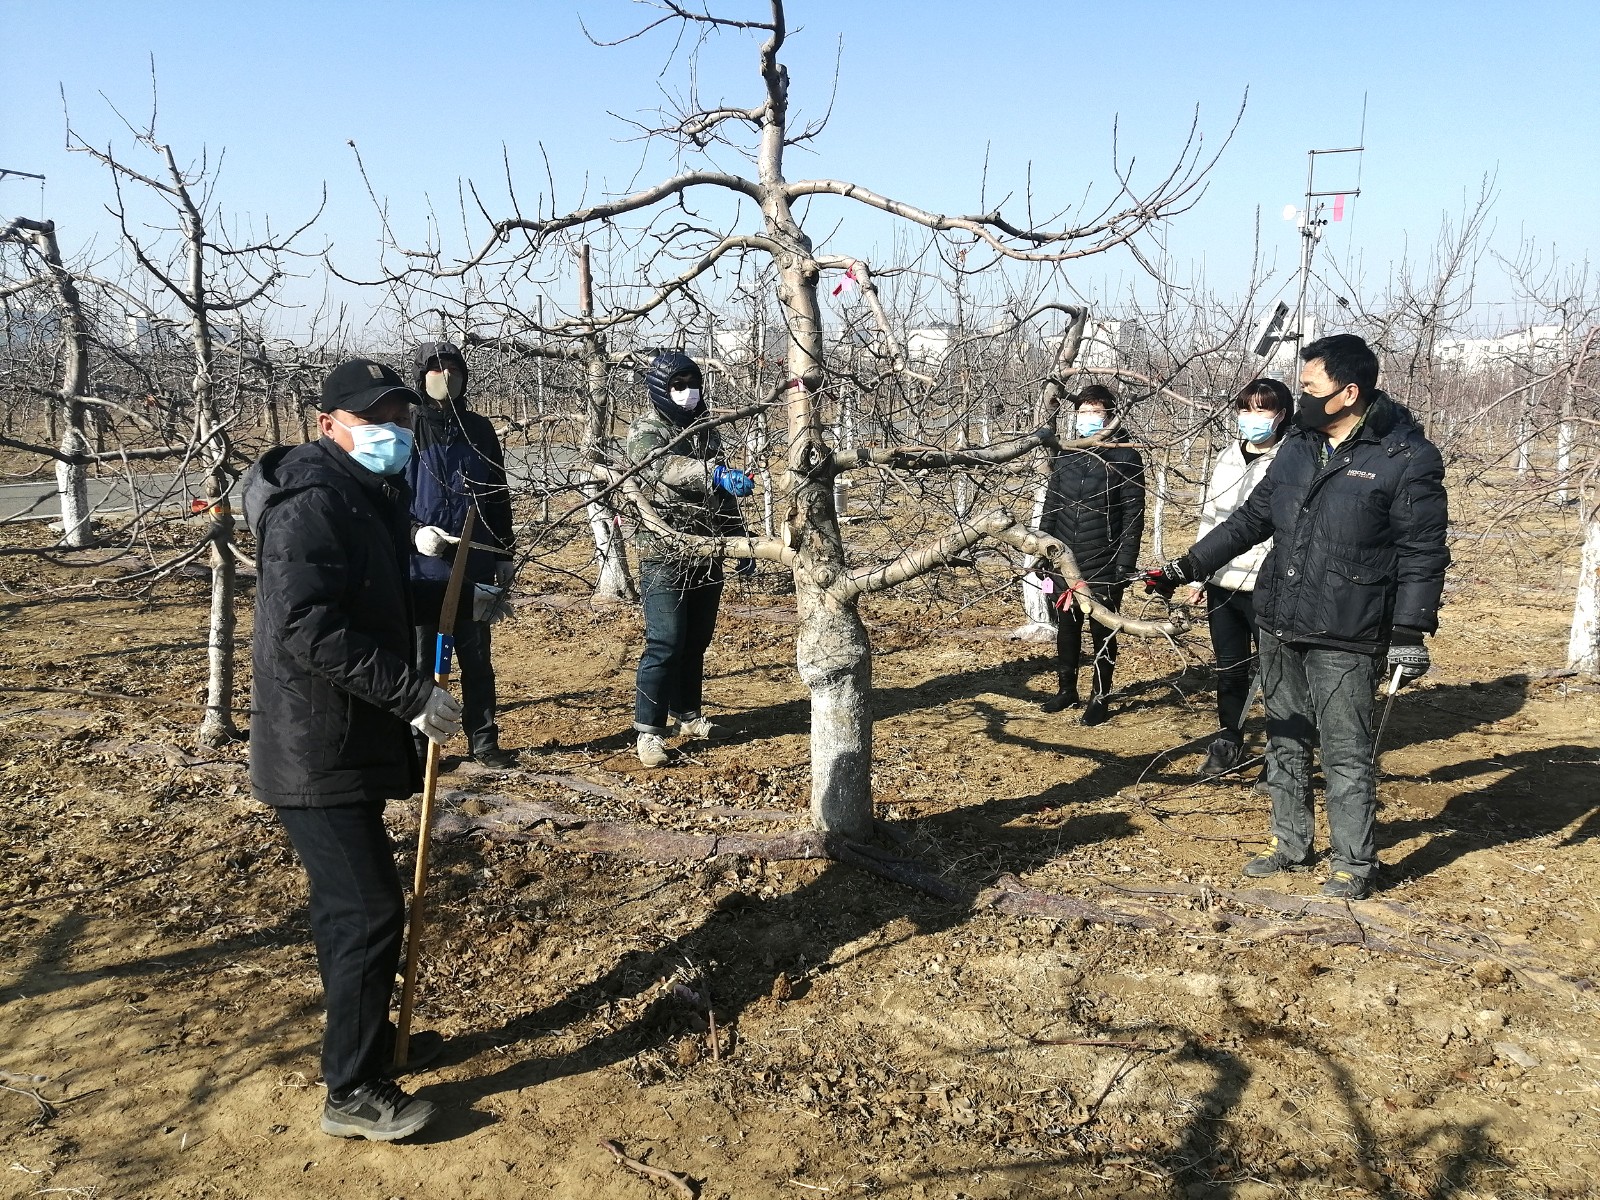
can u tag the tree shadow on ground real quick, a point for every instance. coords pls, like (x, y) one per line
(1542, 792)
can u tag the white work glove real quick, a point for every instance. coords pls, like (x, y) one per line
(434, 542)
(489, 603)
(440, 718)
(504, 573)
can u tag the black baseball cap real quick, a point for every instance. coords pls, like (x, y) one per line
(357, 385)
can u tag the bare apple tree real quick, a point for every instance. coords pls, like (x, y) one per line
(764, 213)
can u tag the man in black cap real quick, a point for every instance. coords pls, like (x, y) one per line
(459, 464)
(334, 700)
(1356, 508)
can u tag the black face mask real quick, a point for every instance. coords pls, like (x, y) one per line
(1311, 412)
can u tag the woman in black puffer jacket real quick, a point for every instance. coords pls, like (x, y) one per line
(1095, 504)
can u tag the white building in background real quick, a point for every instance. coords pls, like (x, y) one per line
(1536, 347)
(930, 345)
(1108, 345)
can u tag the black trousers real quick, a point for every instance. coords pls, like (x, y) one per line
(357, 920)
(1069, 641)
(473, 666)
(1232, 617)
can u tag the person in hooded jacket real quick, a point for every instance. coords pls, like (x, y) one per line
(458, 463)
(1356, 508)
(1094, 503)
(679, 459)
(1261, 410)
(333, 694)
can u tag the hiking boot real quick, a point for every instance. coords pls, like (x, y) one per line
(1342, 885)
(495, 758)
(1221, 757)
(1270, 862)
(652, 750)
(1060, 701)
(1096, 712)
(378, 1111)
(697, 727)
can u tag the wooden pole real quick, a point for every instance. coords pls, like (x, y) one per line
(430, 786)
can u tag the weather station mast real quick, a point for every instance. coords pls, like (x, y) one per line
(1275, 332)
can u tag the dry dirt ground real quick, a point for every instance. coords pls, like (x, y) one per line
(156, 968)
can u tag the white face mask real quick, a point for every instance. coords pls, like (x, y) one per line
(685, 398)
(444, 385)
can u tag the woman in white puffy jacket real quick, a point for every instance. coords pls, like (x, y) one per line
(1262, 409)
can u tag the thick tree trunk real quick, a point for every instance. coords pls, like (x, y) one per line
(834, 656)
(72, 480)
(217, 726)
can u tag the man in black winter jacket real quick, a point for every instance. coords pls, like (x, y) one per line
(1094, 503)
(458, 464)
(334, 690)
(1355, 504)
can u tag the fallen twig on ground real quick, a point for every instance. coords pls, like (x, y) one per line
(679, 1183)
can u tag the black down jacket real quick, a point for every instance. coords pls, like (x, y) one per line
(1095, 504)
(334, 686)
(1358, 541)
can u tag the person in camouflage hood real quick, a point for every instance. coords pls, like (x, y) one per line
(678, 457)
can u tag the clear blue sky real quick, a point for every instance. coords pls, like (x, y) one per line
(925, 90)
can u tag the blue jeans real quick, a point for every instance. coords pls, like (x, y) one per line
(1324, 697)
(680, 614)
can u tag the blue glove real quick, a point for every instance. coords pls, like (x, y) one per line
(735, 483)
(744, 568)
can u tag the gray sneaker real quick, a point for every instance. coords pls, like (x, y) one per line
(652, 750)
(378, 1111)
(1342, 885)
(1270, 862)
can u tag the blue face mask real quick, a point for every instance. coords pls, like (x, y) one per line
(1088, 424)
(1257, 427)
(382, 449)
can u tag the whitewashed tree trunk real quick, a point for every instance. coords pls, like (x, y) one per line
(1583, 647)
(1158, 513)
(72, 477)
(611, 553)
(72, 481)
(1035, 604)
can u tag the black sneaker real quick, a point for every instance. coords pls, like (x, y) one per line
(1342, 885)
(1096, 712)
(1270, 862)
(423, 1049)
(495, 758)
(1060, 702)
(1221, 757)
(378, 1111)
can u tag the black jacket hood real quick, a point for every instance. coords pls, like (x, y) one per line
(441, 351)
(662, 368)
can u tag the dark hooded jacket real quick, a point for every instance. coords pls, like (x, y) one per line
(333, 684)
(1358, 534)
(458, 463)
(678, 482)
(1094, 503)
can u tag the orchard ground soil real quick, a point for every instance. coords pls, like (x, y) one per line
(159, 998)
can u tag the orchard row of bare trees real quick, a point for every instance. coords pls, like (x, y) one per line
(900, 414)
